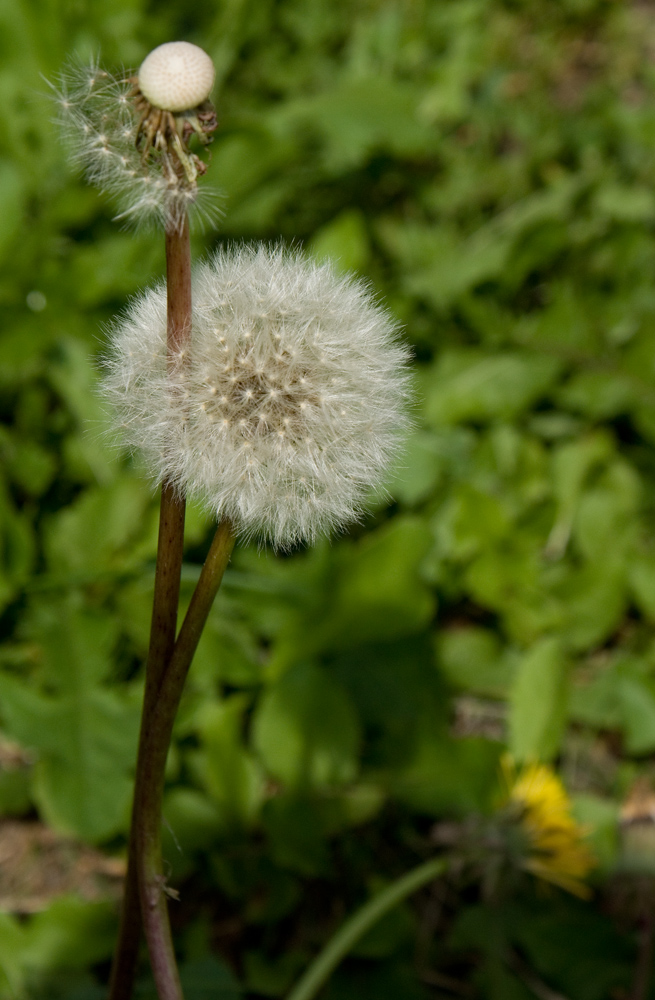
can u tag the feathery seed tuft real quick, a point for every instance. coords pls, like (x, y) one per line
(133, 151)
(289, 404)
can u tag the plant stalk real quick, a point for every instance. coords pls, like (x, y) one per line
(165, 606)
(356, 926)
(148, 805)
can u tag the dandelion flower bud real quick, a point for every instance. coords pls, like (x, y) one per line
(176, 76)
(287, 406)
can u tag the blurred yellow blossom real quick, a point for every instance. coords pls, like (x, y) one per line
(557, 849)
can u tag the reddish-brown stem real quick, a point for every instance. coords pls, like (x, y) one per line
(164, 612)
(148, 805)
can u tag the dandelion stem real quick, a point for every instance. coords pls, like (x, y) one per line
(356, 926)
(148, 804)
(162, 639)
(164, 612)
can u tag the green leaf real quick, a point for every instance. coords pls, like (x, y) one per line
(538, 703)
(446, 776)
(85, 733)
(419, 469)
(572, 464)
(101, 530)
(379, 593)
(13, 191)
(344, 241)
(306, 731)
(357, 118)
(71, 934)
(594, 601)
(641, 574)
(469, 386)
(637, 706)
(229, 772)
(12, 944)
(600, 817)
(471, 658)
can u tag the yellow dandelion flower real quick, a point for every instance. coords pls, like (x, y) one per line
(557, 853)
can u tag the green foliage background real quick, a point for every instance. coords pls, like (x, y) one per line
(488, 165)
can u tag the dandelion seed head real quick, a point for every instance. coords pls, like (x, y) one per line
(97, 114)
(274, 446)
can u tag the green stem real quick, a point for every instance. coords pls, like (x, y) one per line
(164, 611)
(148, 803)
(356, 926)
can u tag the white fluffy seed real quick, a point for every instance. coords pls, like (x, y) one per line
(176, 76)
(313, 451)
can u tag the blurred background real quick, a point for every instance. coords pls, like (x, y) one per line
(488, 166)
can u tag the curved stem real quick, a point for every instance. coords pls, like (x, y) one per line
(165, 605)
(356, 926)
(152, 765)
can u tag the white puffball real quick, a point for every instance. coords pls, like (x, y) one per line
(289, 404)
(176, 76)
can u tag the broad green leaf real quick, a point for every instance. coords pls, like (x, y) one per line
(101, 530)
(476, 521)
(70, 934)
(344, 241)
(86, 745)
(641, 575)
(231, 775)
(84, 732)
(594, 701)
(379, 593)
(471, 658)
(600, 395)
(538, 703)
(393, 684)
(625, 203)
(572, 464)
(446, 776)
(193, 823)
(75, 643)
(469, 386)
(636, 703)
(358, 118)
(12, 946)
(306, 731)
(599, 817)
(418, 470)
(606, 517)
(594, 601)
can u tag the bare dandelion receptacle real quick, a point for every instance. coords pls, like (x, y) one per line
(288, 405)
(176, 76)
